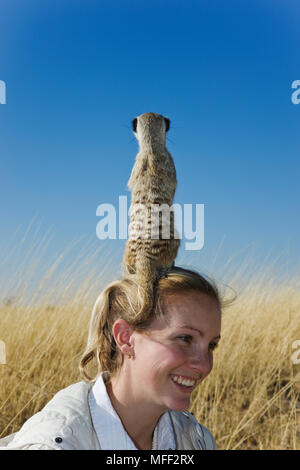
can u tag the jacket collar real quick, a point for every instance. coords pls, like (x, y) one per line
(106, 422)
(67, 416)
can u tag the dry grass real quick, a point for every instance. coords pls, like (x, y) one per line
(250, 400)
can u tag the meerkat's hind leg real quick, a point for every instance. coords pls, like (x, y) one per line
(128, 263)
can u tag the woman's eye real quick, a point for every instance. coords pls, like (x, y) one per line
(213, 346)
(185, 338)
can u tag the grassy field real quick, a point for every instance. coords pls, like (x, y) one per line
(249, 401)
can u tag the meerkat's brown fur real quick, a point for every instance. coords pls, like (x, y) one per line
(152, 182)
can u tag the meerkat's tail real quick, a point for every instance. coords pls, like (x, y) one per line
(145, 276)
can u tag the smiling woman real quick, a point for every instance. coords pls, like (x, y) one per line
(138, 393)
(177, 348)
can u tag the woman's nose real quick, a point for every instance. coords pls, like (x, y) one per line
(201, 362)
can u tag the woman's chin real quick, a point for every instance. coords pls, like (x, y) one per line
(179, 405)
(179, 398)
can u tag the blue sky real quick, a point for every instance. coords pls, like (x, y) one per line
(77, 73)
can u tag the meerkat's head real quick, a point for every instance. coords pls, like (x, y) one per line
(151, 128)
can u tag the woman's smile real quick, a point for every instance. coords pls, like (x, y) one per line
(183, 380)
(185, 389)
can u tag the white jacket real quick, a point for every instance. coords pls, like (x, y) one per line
(65, 423)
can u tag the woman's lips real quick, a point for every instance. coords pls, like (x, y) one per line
(184, 380)
(183, 383)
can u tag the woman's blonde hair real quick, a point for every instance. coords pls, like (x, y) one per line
(121, 300)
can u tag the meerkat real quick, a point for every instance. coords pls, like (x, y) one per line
(153, 241)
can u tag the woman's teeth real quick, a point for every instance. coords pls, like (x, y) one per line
(186, 382)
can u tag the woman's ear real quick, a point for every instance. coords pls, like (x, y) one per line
(122, 332)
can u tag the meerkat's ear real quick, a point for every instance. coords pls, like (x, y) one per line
(167, 121)
(134, 124)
